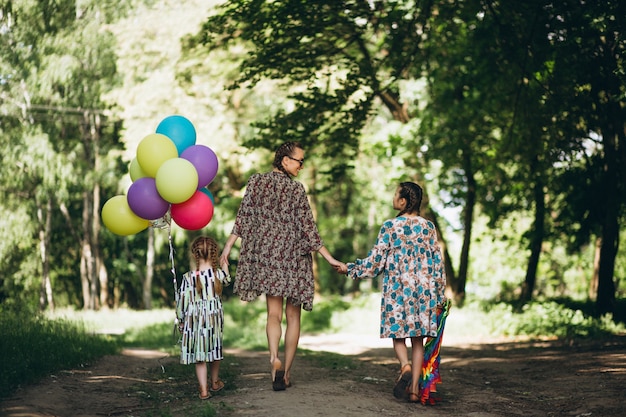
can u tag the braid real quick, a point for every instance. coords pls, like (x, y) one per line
(413, 195)
(204, 248)
(286, 149)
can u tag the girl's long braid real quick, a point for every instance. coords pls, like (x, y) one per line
(286, 149)
(204, 248)
(413, 195)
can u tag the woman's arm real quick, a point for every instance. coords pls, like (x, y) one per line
(226, 252)
(329, 258)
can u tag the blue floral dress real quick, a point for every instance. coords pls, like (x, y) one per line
(408, 256)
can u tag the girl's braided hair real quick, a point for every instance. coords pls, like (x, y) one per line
(204, 248)
(286, 149)
(413, 195)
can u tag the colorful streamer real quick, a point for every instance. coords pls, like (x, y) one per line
(430, 368)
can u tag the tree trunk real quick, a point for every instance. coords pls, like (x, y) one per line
(605, 302)
(85, 257)
(593, 286)
(313, 203)
(45, 226)
(537, 236)
(609, 101)
(100, 271)
(468, 220)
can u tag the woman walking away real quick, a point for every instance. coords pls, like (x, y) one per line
(278, 235)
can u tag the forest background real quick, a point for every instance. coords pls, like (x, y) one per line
(511, 115)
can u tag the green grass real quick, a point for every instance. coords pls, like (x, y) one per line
(34, 346)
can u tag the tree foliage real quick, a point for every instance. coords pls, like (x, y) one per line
(517, 93)
(510, 114)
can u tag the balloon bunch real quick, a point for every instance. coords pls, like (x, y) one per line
(170, 175)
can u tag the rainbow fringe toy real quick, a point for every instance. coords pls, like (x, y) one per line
(430, 368)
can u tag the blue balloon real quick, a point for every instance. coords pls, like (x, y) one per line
(180, 131)
(208, 193)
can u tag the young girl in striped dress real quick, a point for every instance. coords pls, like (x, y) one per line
(201, 316)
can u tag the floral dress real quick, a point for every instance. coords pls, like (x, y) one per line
(202, 316)
(407, 253)
(278, 234)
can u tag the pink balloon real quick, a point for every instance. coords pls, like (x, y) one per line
(194, 213)
(144, 199)
(205, 162)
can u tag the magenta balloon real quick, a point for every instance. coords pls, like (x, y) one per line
(205, 161)
(144, 199)
(194, 213)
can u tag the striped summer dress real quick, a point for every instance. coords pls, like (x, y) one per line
(202, 317)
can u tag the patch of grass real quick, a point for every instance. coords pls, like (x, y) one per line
(321, 318)
(158, 336)
(244, 324)
(553, 319)
(34, 346)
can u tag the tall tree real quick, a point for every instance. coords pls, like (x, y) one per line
(59, 65)
(341, 63)
(505, 77)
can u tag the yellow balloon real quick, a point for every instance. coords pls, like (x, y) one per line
(176, 180)
(118, 217)
(153, 150)
(135, 170)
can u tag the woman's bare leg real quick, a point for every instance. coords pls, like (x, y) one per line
(274, 330)
(292, 336)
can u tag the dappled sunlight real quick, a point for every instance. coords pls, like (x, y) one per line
(144, 353)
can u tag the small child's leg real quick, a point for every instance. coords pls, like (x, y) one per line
(216, 383)
(201, 374)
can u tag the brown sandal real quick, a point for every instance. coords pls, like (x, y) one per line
(220, 385)
(204, 394)
(414, 397)
(402, 383)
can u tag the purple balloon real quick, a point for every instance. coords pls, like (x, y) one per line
(205, 162)
(144, 199)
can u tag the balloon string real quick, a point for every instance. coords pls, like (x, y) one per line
(169, 237)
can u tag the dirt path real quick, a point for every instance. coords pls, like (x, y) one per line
(479, 380)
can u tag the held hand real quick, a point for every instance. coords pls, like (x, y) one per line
(224, 260)
(335, 264)
(341, 268)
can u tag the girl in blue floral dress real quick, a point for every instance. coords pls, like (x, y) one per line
(408, 256)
